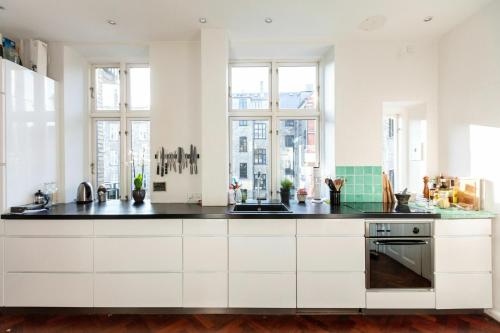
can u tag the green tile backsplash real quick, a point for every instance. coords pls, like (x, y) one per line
(362, 183)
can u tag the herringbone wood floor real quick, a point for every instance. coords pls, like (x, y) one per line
(247, 323)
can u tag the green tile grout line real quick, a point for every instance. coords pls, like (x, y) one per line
(362, 183)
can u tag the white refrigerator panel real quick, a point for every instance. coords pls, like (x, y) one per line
(2, 78)
(31, 133)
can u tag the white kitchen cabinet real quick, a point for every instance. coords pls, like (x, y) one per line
(331, 227)
(330, 254)
(138, 290)
(257, 227)
(138, 227)
(463, 290)
(400, 299)
(49, 228)
(2, 302)
(330, 290)
(468, 227)
(205, 290)
(48, 254)
(49, 289)
(205, 253)
(262, 290)
(147, 254)
(205, 227)
(463, 254)
(262, 254)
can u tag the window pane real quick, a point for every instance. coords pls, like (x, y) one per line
(297, 87)
(107, 89)
(297, 155)
(139, 88)
(249, 88)
(247, 165)
(140, 135)
(108, 156)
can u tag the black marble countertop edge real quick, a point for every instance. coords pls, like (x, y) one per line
(128, 210)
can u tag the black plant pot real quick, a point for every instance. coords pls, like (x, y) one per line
(139, 195)
(285, 196)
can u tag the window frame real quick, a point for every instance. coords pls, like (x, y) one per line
(129, 95)
(123, 116)
(275, 114)
(249, 64)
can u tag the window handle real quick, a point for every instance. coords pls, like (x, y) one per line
(92, 94)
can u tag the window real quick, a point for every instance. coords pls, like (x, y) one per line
(297, 87)
(280, 124)
(249, 87)
(259, 130)
(127, 131)
(243, 170)
(263, 182)
(259, 156)
(243, 144)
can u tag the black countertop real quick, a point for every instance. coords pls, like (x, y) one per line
(128, 210)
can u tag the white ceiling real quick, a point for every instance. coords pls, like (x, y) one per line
(140, 21)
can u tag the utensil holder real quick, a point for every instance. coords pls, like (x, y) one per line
(334, 198)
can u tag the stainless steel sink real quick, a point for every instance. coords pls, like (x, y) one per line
(263, 208)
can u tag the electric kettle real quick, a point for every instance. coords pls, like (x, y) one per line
(85, 193)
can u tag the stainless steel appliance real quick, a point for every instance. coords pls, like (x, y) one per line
(399, 255)
(85, 193)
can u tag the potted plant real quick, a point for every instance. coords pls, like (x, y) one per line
(286, 185)
(138, 193)
(301, 195)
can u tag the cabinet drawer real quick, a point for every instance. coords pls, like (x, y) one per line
(138, 290)
(152, 254)
(463, 291)
(400, 300)
(48, 255)
(48, 289)
(132, 227)
(338, 227)
(330, 254)
(262, 290)
(205, 290)
(204, 227)
(261, 227)
(205, 253)
(463, 254)
(49, 227)
(270, 254)
(331, 290)
(470, 227)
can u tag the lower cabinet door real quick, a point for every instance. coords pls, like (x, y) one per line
(138, 290)
(463, 291)
(48, 289)
(262, 290)
(205, 290)
(331, 290)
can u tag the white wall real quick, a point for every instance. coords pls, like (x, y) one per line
(70, 68)
(369, 74)
(214, 132)
(469, 105)
(175, 112)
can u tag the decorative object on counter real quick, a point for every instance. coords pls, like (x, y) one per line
(40, 198)
(335, 190)
(230, 195)
(10, 51)
(244, 195)
(403, 197)
(286, 186)
(362, 183)
(426, 188)
(317, 186)
(301, 195)
(84, 193)
(176, 161)
(138, 193)
(50, 189)
(388, 193)
(102, 195)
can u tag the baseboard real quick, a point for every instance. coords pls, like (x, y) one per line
(493, 313)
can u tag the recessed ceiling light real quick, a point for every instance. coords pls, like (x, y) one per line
(111, 22)
(428, 18)
(202, 20)
(373, 23)
(268, 20)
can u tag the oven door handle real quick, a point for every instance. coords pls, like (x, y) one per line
(399, 242)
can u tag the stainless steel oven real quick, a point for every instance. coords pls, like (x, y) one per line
(399, 255)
